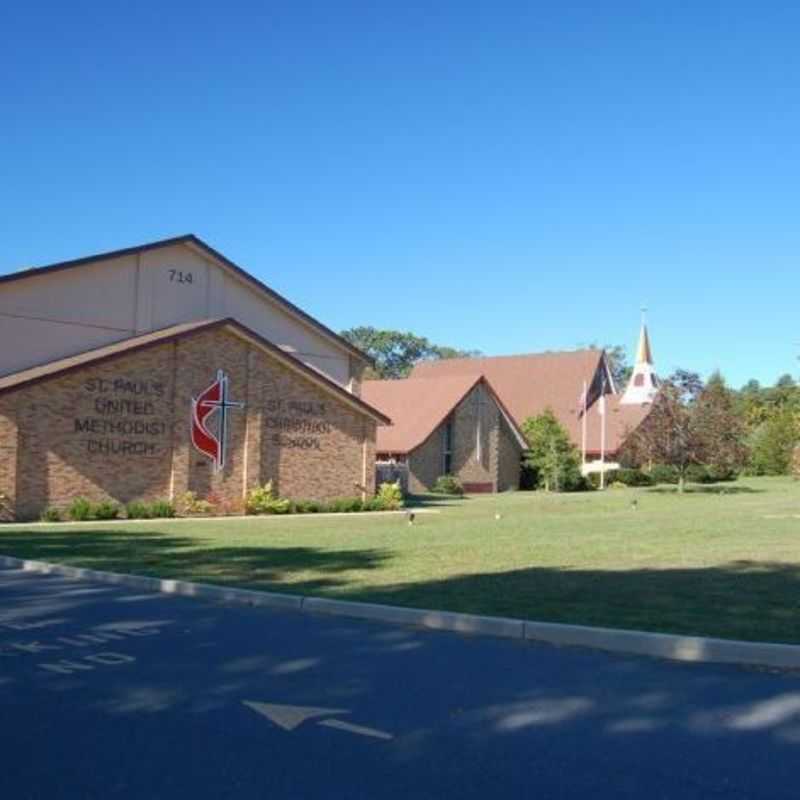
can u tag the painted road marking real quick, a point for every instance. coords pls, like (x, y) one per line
(65, 667)
(358, 729)
(291, 717)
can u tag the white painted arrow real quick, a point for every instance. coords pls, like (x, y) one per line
(291, 717)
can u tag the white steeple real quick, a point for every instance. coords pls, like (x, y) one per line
(643, 385)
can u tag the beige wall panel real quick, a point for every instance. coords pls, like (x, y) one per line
(50, 316)
(268, 319)
(65, 312)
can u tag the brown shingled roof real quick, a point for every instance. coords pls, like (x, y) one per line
(529, 384)
(97, 355)
(418, 406)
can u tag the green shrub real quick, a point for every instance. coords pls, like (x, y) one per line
(389, 497)
(374, 504)
(191, 505)
(663, 473)
(593, 479)
(722, 474)
(5, 507)
(137, 510)
(80, 510)
(448, 484)
(261, 500)
(51, 515)
(346, 505)
(698, 473)
(633, 477)
(106, 510)
(306, 507)
(162, 509)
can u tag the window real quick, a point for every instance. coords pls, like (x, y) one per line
(447, 447)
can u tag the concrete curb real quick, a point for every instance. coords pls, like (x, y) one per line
(418, 617)
(202, 591)
(656, 645)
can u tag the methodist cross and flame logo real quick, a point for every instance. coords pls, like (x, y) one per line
(212, 404)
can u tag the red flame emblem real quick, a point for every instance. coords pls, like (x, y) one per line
(213, 402)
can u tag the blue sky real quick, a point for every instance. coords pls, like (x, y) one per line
(503, 176)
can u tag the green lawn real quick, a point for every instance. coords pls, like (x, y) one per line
(704, 563)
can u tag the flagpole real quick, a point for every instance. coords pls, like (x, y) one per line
(603, 441)
(583, 429)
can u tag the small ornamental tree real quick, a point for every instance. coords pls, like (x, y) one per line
(551, 454)
(691, 425)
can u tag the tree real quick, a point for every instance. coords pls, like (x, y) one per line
(621, 370)
(688, 426)
(551, 455)
(395, 352)
(773, 442)
(687, 383)
(718, 428)
(771, 417)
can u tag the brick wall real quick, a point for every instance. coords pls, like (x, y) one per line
(120, 431)
(509, 459)
(490, 463)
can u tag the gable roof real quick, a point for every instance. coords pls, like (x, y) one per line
(63, 366)
(529, 384)
(198, 244)
(418, 406)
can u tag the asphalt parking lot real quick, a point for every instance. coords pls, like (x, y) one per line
(110, 693)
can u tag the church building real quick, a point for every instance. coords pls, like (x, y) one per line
(577, 386)
(448, 425)
(145, 373)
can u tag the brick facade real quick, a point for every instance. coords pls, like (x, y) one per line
(120, 430)
(485, 454)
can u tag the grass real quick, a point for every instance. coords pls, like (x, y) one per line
(703, 563)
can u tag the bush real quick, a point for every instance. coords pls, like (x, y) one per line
(389, 497)
(723, 474)
(261, 500)
(633, 477)
(191, 505)
(5, 507)
(304, 507)
(700, 473)
(106, 510)
(162, 509)
(346, 505)
(593, 479)
(448, 484)
(137, 510)
(80, 510)
(663, 473)
(51, 515)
